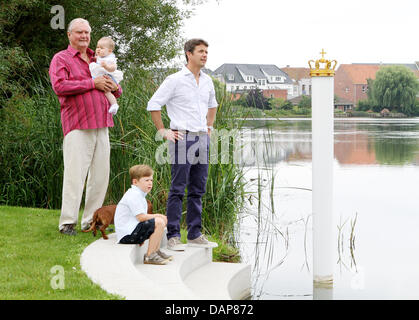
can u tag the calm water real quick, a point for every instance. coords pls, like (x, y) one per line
(376, 199)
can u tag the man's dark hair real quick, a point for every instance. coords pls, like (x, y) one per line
(191, 44)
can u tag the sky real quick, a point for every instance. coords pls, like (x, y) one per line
(294, 31)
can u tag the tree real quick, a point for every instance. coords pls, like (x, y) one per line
(305, 102)
(395, 88)
(276, 103)
(145, 31)
(256, 99)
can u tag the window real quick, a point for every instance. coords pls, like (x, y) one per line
(364, 89)
(346, 90)
(249, 78)
(230, 77)
(262, 82)
(278, 79)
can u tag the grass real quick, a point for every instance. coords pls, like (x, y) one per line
(31, 245)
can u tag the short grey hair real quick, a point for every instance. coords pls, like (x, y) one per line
(72, 22)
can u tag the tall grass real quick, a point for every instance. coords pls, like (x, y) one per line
(31, 168)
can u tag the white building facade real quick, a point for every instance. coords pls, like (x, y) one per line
(242, 77)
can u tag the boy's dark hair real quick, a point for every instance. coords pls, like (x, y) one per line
(191, 44)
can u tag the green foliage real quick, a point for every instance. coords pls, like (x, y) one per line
(395, 88)
(287, 105)
(305, 102)
(365, 105)
(14, 76)
(146, 33)
(256, 99)
(370, 85)
(276, 103)
(147, 30)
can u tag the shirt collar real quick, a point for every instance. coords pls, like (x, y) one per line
(74, 52)
(185, 71)
(138, 190)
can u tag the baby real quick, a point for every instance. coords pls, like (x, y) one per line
(106, 65)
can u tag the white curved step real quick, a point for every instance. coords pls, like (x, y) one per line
(119, 269)
(220, 281)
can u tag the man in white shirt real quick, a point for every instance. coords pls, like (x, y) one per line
(189, 97)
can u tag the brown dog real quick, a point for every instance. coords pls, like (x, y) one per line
(104, 216)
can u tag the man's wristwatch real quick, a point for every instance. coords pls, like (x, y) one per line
(211, 128)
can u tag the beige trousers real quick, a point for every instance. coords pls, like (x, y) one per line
(86, 154)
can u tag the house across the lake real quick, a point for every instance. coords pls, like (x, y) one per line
(244, 77)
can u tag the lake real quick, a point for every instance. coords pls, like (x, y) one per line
(376, 209)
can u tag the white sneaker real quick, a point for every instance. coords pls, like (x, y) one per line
(202, 242)
(175, 244)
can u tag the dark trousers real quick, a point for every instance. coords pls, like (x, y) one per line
(189, 168)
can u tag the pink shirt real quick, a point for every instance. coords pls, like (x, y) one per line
(82, 106)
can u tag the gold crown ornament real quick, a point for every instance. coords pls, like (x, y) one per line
(326, 70)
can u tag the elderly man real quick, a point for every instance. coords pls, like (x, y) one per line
(85, 120)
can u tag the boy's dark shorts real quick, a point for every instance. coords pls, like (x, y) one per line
(141, 233)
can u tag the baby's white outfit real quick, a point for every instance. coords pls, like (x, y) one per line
(96, 70)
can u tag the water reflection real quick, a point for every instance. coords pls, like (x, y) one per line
(376, 210)
(386, 142)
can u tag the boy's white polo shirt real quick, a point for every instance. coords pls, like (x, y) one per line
(132, 204)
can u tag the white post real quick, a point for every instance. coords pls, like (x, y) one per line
(322, 174)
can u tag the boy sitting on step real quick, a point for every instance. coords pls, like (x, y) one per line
(132, 223)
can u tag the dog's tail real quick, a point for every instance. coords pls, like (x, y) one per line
(93, 225)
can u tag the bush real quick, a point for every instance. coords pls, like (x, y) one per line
(255, 99)
(276, 103)
(365, 105)
(287, 105)
(305, 102)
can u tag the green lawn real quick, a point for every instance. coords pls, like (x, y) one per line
(30, 246)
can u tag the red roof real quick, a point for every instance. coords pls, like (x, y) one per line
(359, 73)
(297, 73)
